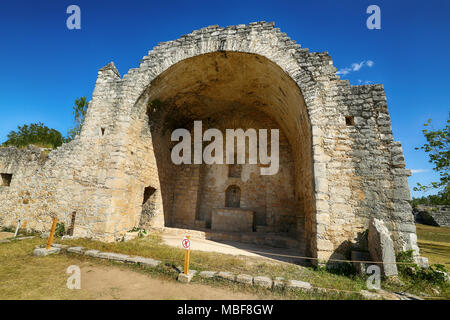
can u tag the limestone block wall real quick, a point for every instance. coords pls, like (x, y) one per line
(72, 178)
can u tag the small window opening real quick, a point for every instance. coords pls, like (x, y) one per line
(6, 179)
(349, 121)
(148, 192)
(103, 131)
(149, 207)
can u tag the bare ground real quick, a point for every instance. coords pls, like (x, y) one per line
(116, 283)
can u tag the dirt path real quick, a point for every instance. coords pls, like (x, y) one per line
(116, 283)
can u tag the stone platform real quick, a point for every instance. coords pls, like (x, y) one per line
(232, 219)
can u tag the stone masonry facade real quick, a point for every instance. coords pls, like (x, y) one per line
(339, 164)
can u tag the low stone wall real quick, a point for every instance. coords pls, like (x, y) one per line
(432, 215)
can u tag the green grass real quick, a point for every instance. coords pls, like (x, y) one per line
(23, 276)
(434, 243)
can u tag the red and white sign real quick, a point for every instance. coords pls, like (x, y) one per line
(186, 243)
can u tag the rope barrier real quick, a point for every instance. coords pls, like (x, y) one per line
(338, 260)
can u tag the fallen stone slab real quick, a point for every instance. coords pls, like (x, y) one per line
(186, 278)
(113, 256)
(279, 283)
(388, 295)
(381, 247)
(262, 281)
(226, 275)
(78, 250)
(92, 253)
(299, 285)
(207, 274)
(143, 261)
(62, 246)
(245, 279)
(370, 295)
(5, 241)
(42, 252)
(23, 238)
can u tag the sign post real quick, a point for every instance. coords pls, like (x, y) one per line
(187, 246)
(17, 228)
(52, 233)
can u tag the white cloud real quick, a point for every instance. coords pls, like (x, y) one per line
(418, 170)
(355, 67)
(344, 71)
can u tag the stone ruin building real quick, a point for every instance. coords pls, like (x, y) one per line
(339, 164)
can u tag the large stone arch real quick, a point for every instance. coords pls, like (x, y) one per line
(259, 40)
(209, 86)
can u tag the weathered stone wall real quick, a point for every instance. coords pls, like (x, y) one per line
(347, 168)
(72, 178)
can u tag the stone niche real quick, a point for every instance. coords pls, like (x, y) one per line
(232, 220)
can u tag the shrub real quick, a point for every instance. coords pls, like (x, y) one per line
(60, 229)
(435, 274)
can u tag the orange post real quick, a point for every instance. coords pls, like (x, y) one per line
(52, 233)
(186, 258)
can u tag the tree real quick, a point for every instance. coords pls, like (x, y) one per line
(438, 149)
(34, 133)
(79, 112)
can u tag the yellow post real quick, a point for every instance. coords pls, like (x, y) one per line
(52, 233)
(186, 258)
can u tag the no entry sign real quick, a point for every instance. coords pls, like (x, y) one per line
(186, 243)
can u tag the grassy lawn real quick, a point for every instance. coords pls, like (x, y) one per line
(434, 243)
(23, 276)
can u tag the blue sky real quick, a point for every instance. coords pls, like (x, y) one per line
(44, 66)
